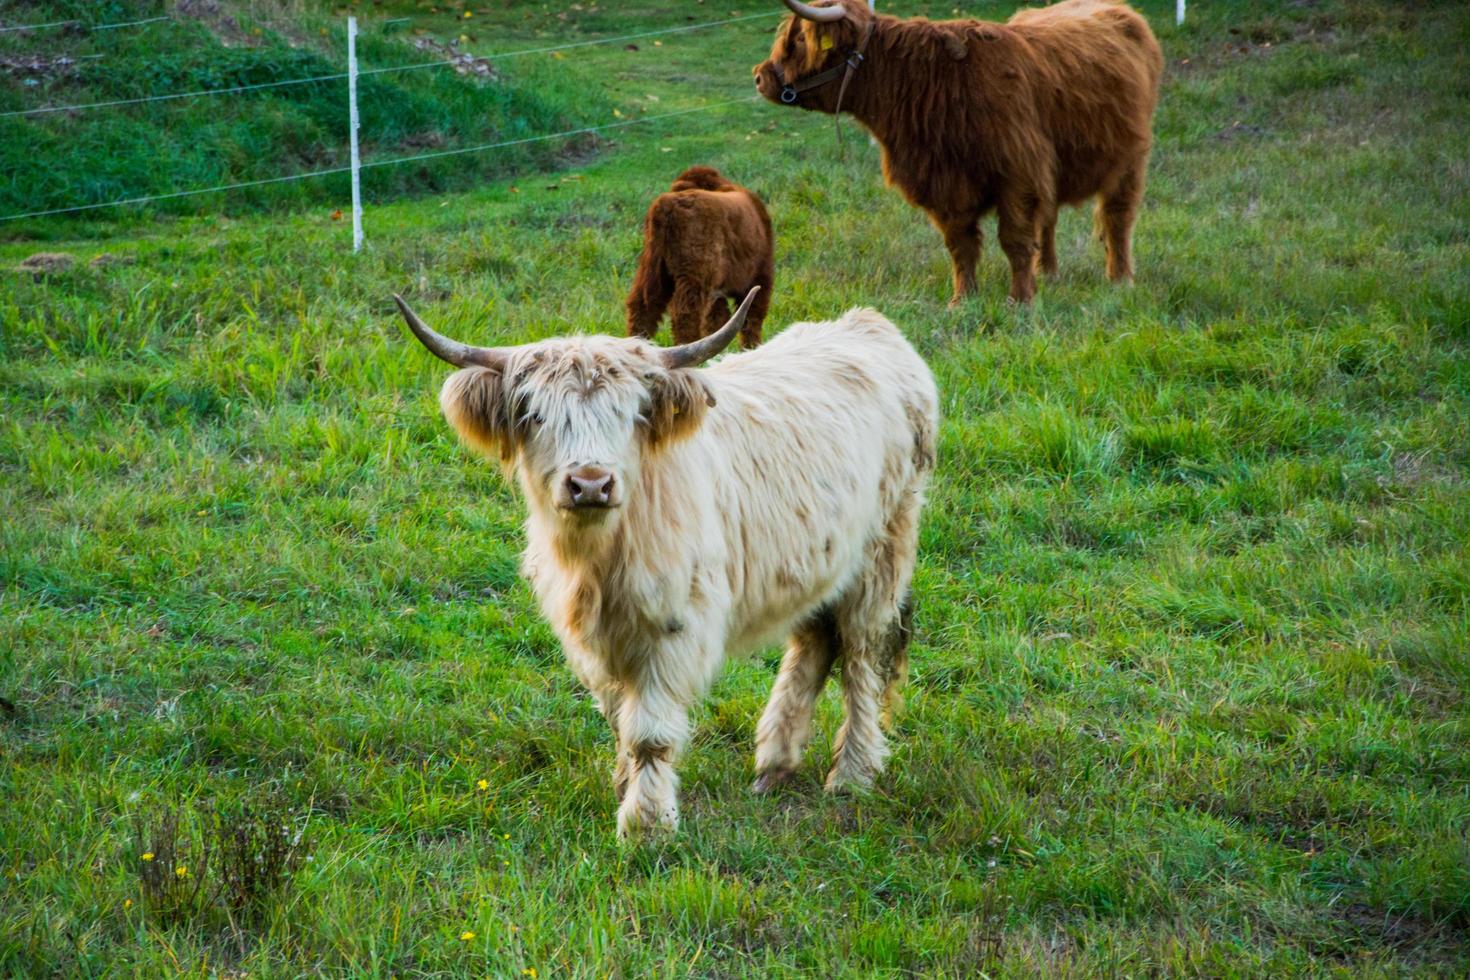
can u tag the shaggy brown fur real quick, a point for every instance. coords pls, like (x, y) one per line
(705, 240)
(1053, 107)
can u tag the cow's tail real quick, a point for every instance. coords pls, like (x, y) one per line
(652, 274)
(662, 235)
(652, 284)
(896, 659)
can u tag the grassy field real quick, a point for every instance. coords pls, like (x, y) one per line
(1193, 635)
(118, 152)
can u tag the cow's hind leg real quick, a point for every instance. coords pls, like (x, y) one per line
(719, 312)
(873, 671)
(873, 623)
(786, 725)
(1049, 243)
(688, 310)
(1116, 211)
(649, 297)
(750, 333)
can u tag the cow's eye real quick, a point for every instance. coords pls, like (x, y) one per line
(536, 418)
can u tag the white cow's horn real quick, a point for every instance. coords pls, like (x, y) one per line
(460, 355)
(699, 351)
(808, 12)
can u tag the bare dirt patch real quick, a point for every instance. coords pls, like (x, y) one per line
(462, 62)
(214, 16)
(45, 263)
(33, 69)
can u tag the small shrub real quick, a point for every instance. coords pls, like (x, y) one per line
(257, 851)
(172, 860)
(195, 861)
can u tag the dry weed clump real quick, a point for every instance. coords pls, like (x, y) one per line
(196, 860)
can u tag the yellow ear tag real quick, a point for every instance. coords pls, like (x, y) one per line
(826, 42)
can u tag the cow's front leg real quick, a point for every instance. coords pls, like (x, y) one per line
(654, 727)
(610, 703)
(962, 237)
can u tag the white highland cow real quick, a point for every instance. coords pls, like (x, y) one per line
(680, 514)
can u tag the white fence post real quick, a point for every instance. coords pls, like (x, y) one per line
(352, 132)
(1179, 11)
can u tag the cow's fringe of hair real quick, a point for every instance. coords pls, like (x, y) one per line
(472, 400)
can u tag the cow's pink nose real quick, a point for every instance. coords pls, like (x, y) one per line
(590, 486)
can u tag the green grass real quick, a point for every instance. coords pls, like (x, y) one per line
(94, 156)
(1193, 638)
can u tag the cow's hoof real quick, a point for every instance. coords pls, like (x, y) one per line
(841, 783)
(769, 780)
(636, 824)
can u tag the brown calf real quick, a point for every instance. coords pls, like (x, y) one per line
(704, 241)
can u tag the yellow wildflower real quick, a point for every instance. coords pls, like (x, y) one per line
(483, 784)
(466, 936)
(182, 871)
(466, 15)
(505, 836)
(127, 904)
(147, 855)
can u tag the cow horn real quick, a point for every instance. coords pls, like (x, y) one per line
(460, 355)
(696, 353)
(821, 14)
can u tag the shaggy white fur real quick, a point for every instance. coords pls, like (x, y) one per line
(775, 493)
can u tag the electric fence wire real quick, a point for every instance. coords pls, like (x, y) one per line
(227, 90)
(580, 131)
(83, 24)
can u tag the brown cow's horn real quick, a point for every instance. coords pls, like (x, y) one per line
(696, 353)
(806, 11)
(460, 355)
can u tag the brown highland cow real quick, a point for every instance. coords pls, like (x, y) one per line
(1052, 107)
(704, 241)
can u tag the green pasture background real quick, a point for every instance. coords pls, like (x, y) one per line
(1190, 673)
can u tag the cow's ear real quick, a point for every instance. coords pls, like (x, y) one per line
(473, 400)
(822, 39)
(677, 403)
